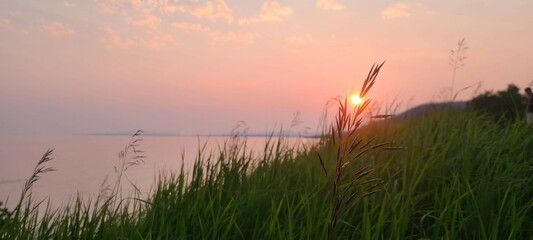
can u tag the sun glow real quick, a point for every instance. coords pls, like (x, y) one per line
(356, 100)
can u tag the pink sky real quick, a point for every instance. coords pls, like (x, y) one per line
(196, 66)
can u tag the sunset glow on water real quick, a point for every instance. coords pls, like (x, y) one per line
(83, 162)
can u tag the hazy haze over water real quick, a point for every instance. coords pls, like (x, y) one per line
(83, 162)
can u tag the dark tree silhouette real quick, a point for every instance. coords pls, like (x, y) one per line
(505, 105)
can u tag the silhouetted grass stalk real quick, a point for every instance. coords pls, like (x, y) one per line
(130, 156)
(348, 146)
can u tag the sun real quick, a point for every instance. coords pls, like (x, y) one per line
(356, 100)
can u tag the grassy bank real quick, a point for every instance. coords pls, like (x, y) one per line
(459, 176)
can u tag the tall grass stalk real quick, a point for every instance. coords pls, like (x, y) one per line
(347, 147)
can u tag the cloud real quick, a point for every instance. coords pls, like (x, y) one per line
(396, 10)
(167, 7)
(240, 37)
(143, 13)
(146, 19)
(107, 6)
(57, 29)
(329, 5)
(156, 40)
(213, 10)
(68, 4)
(5, 24)
(273, 11)
(191, 27)
(270, 12)
(149, 12)
(124, 6)
(153, 39)
(137, 4)
(114, 6)
(400, 10)
(113, 40)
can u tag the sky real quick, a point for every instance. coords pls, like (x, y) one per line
(200, 67)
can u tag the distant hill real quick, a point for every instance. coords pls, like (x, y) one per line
(427, 107)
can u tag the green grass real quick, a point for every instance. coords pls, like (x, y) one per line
(459, 176)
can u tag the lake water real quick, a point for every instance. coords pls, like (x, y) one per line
(83, 162)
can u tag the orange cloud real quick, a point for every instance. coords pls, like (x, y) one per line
(329, 5)
(57, 29)
(399, 10)
(137, 4)
(270, 12)
(152, 39)
(5, 24)
(146, 13)
(167, 7)
(113, 6)
(191, 27)
(157, 40)
(146, 19)
(396, 10)
(213, 10)
(107, 6)
(241, 37)
(164, 6)
(113, 40)
(68, 4)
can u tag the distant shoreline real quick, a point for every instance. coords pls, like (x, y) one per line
(201, 135)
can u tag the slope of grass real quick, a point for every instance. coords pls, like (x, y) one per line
(459, 176)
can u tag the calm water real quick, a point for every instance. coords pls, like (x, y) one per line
(83, 162)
